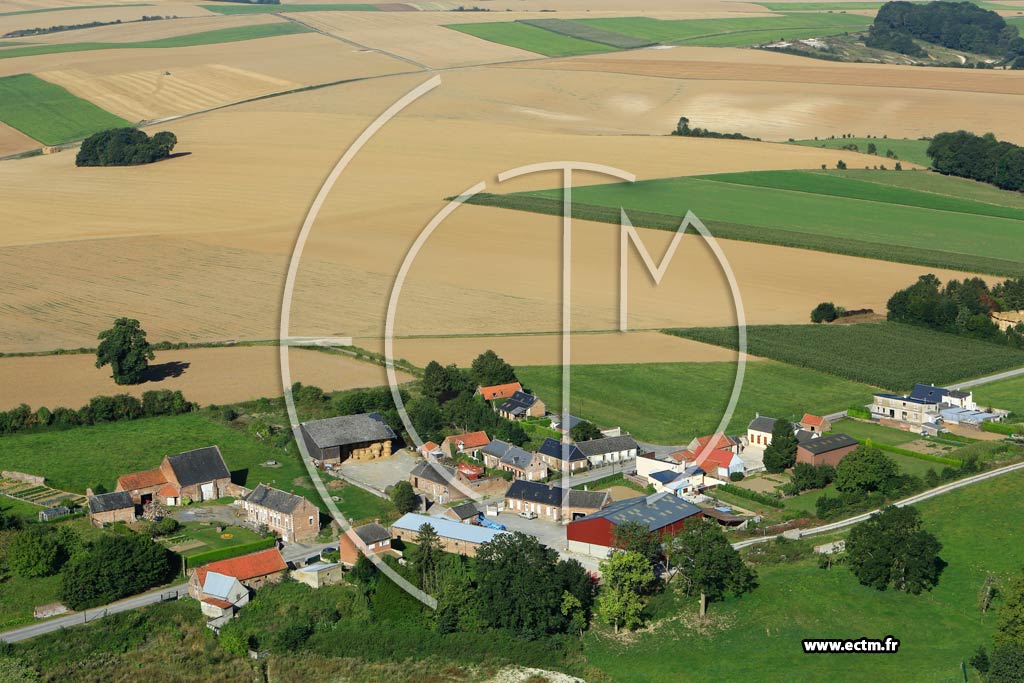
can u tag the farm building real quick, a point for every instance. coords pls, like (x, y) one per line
(815, 424)
(253, 571)
(551, 502)
(464, 513)
(360, 437)
(720, 463)
(468, 443)
(556, 455)
(608, 450)
(500, 455)
(662, 513)
(108, 508)
(499, 392)
(463, 539)
(220, 597)
(293, 518)
(319, 574)
(50, 514)
(963, 416)
(369, 539)
(826, 450)
(436, 482)
(190, 476)
(521, 405)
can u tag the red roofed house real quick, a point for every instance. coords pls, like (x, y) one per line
(468, 443)
(499, 392)
(720, 463)
(430, 448)
(701, 443)
(193, 475)
(813, 423)
(252, 571)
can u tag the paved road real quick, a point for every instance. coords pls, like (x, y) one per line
(134, 602)
(931, 493)
(985, 380)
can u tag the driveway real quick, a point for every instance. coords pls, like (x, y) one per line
(380, 474)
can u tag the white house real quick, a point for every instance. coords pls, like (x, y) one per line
(759, 431)
(610, 449)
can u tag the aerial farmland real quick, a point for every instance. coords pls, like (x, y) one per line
(327, 257)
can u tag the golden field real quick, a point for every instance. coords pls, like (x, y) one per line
(206, 376)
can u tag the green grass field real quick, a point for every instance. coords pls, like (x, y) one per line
(211, 538)
(48, 112)
(76, 459)
(876, 432)
(884, 354)
(584, 31)
(223, 35)
(946, 226)
(732, 32)
(360, 506)
(762, 630)
(531, 38)
(905, 150)
(242, 8)
(1007, 394)
(670, 403)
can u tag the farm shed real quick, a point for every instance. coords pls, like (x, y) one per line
(826, 450)
(108, 508)
(463, 539)
(364, 436)
(662, 513)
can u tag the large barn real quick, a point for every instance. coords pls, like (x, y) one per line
(662, 513)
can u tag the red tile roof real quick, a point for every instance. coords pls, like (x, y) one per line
(429, 447)
(718, 457)
(813, 420)
(247, 566)
(169, 491)
(217, 602)
(470, 439)
(719, 440)
(500, 391)
(680, 456)
(141, 480)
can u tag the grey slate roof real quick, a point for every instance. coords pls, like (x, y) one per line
(664, 476)
(656, 511)
(465, 511)
(553, 448)
(199, 466)
(929, 393)
(346, 430)
(517, 457)
(827, 443)
(956, 393)
(609, 444)
(762, 424)
(539, 492)
(426, 470)
(372, 533)
(108, 502)
(275, 499)
(497, 448)
(519, 403)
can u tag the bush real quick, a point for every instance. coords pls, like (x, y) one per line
(824, 312)
(736, 476)
(763, 498)
(114, 567)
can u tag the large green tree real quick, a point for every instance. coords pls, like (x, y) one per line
(489, 369)
(584, 431)
(425, 559)
(124, 348)
(708, 565)
(115, 566)
(635, 537)
(404, 497)
(892, 549)
(864, 470)
(1010, 627)
(41, 551)
(625, 580)
(781, 452)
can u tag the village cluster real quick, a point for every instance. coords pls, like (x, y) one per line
(471, 488)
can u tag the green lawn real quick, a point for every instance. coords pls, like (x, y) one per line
(19, 597)
(360, 506)
(531, 38)
(905, 150)
(48, 112)
(884, 354)
(223, 35)
(876, 432)
(243, 8)
(19, 508)
(1007, 394)
(670, 403)
(947, 225)
(732, 32)
(76, 459)
(762, 631)
(211, 538)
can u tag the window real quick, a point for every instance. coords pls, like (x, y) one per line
(311, 520)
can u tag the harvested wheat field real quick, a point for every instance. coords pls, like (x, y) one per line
(12, 141)
(206, 376)
(127, 13)
(145, 30)
(587, 349)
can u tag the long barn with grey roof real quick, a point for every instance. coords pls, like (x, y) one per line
(365, 436)
(553, 502)
(610, 449)
(662, 513)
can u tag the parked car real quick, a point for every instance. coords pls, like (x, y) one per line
(528, 514)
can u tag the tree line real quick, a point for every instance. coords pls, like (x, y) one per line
(98, 410)
(956, 25)
(961, 307)
(979, 157)
(683, 129)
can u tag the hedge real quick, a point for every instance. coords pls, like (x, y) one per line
(199, 559)
(1001, 428)
(762, 498)
(952, 462)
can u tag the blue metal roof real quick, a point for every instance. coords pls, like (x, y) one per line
(447, 528)
(664, 476)
(553, 447)
(218, 585)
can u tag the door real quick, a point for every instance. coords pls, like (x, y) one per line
(207, 492)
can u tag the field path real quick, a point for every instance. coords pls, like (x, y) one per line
(990, 378)
(353, 43)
